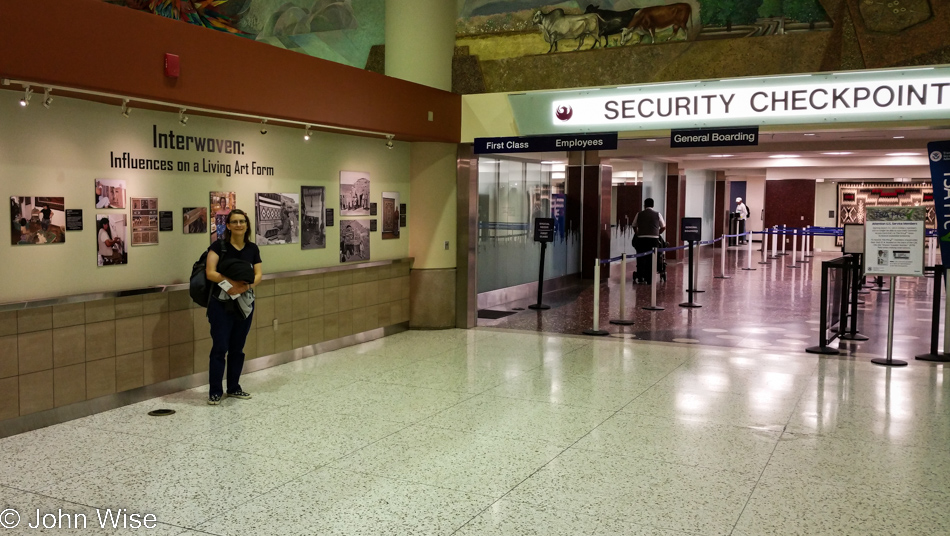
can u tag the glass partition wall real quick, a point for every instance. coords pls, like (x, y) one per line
(513, 192)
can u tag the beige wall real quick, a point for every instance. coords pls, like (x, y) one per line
(61, 151)
(420, 41)
(433, 215)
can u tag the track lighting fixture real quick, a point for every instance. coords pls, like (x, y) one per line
(182, 118)
(263, 126)
(27, 94)
(389, 141)
(47, 98)
(306, 133)
(125, 108)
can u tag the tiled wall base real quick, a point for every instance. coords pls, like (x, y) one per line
(77, 410)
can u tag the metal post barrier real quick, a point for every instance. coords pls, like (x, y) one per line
(940, 272)
(690, 291)
(774, 242)
(823, 347)
(889, 361)
(783, 241)
(722, 260)
(810, 251)
(623, 292)
(852, 334)
(806, 236)
(748, 266)
(596, 329)
(932, 252)
(794, 246)
(653, 306)
(765, 246)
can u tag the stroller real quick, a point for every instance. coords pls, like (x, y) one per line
(660, 258)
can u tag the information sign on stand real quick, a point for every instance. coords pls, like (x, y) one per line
(893, 246)
(691, 231)
(543, 233)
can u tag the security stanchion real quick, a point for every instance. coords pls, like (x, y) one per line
(939, 274)
(595, 330)
(775, 236)
(852, 334)
(890, 361)
(540, 306)
(932, 253)
(749, 257)
(784, 233)
(653, 306)
(690, 291)
(765, 247)
(722, 259)
(806, 240)
(794, 246)
(623, 292)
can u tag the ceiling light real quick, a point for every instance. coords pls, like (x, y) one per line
(838, 153)
(652, 139)
(125, 108)
(389, 141)
(810, 134)
(263, 126)
(182, 118)
(47, 98)
(27, 93)
(903, 154)
(898, 137)
(720, 155)
(306, 133)
(785, 156)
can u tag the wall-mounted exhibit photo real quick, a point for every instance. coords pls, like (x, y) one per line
(37, 220)
(390, 215)
(354, 193)
(194, 220)
(110, 239)
(110, 193)
(144, 221)
(354, 240)
(222, 203)
(314, 234)
(277, 217)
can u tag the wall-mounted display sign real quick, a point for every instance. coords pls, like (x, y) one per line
(894, 241)
(860, 96)
(372, 209)
(144, 221)
(715, 137)
(166, 220)
(372, 226)
(314, 234)
(391, 215)
(329, 217)
(74, 219)
(37, 220)
(579, 142)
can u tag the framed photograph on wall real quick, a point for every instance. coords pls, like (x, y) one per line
(194, 220)
(313, 226)
(110, 193)
(354, 240)
(111, 248)
(144, 221)
(354, 193)
(37, 220)
(277, 217)
(222, 203)
(390, 215)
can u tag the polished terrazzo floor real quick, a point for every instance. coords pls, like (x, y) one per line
(502, 432)
(773, 306)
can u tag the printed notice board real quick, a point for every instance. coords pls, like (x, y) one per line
(894, 241)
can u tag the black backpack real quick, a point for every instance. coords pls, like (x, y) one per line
(198, 286)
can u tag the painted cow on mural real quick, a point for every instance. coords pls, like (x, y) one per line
(555, 26)
(611, 22)
(650, 19)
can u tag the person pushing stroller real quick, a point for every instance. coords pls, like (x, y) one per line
(648, 225)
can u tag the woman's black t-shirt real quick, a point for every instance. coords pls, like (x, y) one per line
(250, 253)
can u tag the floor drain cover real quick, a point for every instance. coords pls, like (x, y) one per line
(161, 412)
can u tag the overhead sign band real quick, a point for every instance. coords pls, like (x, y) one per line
(579, 142)
(714, 137)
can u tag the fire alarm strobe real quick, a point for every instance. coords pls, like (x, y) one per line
(171, 65)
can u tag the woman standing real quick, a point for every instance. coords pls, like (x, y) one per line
(230, 311)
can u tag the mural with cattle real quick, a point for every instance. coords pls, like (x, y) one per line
(568, 26)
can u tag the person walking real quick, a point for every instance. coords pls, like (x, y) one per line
(742, 214)
(234, 264)
(648, 224)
